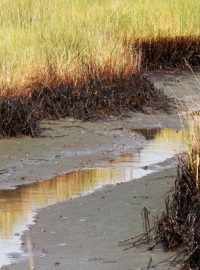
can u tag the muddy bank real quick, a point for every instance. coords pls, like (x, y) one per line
(183, 86)
(71, 144)
(84, 233)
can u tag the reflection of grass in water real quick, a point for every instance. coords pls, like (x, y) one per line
(178, 136)
(48, 42)
(166, 134)
(149, 134)
(17, 204)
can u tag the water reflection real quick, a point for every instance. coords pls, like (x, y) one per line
(17, 206)
(149, 134)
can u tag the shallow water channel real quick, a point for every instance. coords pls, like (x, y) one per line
(18, 206)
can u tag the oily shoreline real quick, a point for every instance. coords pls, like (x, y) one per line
(97, 98)
(99, 91)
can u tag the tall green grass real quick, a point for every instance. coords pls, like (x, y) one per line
(66, 37)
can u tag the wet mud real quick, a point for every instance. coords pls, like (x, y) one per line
(69, 145)
(84, 233)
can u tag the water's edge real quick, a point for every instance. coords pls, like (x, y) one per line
(19, 206)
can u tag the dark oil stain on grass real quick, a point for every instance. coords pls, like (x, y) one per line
(168, 52)
(100, 92)
(95, 99)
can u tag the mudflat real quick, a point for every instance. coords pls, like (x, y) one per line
(84, 233)
(69, 145)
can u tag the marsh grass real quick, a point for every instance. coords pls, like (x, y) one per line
(68, 36)
(62, 58)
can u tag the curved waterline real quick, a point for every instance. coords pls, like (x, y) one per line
(18, 206)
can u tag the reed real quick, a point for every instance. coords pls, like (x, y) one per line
(63, 36)
(65, 58)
